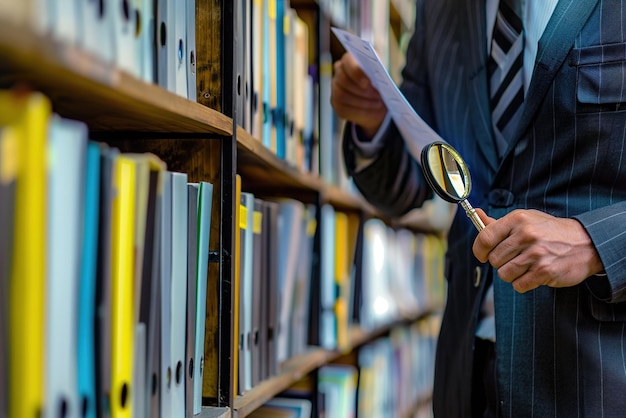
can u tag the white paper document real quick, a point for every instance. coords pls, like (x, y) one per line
(417, 134)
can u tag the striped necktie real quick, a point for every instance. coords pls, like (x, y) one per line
(506, 78)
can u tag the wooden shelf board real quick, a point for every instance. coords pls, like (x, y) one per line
(291, 371)
(214, 412)
(263, 171)
(344, 200)
(85, 88)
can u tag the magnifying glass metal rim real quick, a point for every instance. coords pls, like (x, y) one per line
(444, 194)
(432, 181)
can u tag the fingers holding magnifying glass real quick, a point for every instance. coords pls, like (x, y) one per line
(531, 249)
(498, 245)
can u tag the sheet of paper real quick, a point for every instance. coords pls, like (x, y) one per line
(417, 134)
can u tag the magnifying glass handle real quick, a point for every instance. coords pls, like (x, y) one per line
(471, 213)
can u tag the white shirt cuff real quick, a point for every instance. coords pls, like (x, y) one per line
(367, 151)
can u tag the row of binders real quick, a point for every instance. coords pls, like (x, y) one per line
(372, 275)
(396, 372)
(306, 274)
(390, 377)
(154, 40)
(103, 273)
(277, 102)
(274, 241)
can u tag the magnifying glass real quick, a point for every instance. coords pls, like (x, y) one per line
(449, 177)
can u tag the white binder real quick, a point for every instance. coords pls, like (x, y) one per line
(67, 151)
(191, 50)
(180, 48)
(166, 286)
(124, 21)
(205, 204)
(178, 291)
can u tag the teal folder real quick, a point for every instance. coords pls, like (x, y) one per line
(87, 292)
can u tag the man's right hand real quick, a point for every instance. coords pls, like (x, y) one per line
(354, 98)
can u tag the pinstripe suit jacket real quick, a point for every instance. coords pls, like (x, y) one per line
(560, 352)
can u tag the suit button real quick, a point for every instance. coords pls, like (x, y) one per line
(477, 276)
(501, 198)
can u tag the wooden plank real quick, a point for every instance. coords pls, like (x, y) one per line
(291, 371)
(263, 172)
(85, 88)
(209, 54)
(213, 412)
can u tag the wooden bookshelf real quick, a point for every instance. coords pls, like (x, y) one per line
(263, 171)
(299, 366)
(85, 88)
(197, 139)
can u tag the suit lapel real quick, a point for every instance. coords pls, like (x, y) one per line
(478, 95)
(567, 20)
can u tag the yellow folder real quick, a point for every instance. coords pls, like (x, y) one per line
(24, 121)
(342, 279)
(122, 337)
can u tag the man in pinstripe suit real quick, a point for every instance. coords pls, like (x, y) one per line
(551, 261)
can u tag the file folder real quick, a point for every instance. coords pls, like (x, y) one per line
(147, 245)
(256, 285)
(87, 291)
(139, 394)
(142, 190)
(180, 47)
(191, 50)
(247, 283)
(146, 42)
(272, 294)
(205, 206)
(8, 177)
(257, 69)
(154, 376)
(104, 282)
(67, 147)
(264, 306)
(192, 265)
(166, 45)
(122, 286)
(26, 118)
(166, 298)
(291, 218)
(243, 306)
(97, 22)
(125, 42)
(178, 291)
(67, 24)
(328, 321)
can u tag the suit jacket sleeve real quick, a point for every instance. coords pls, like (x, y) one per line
(601, 224)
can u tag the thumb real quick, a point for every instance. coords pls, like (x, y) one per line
(484, 217)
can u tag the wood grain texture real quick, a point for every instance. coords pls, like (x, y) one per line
(209, 53)
(85, 88)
